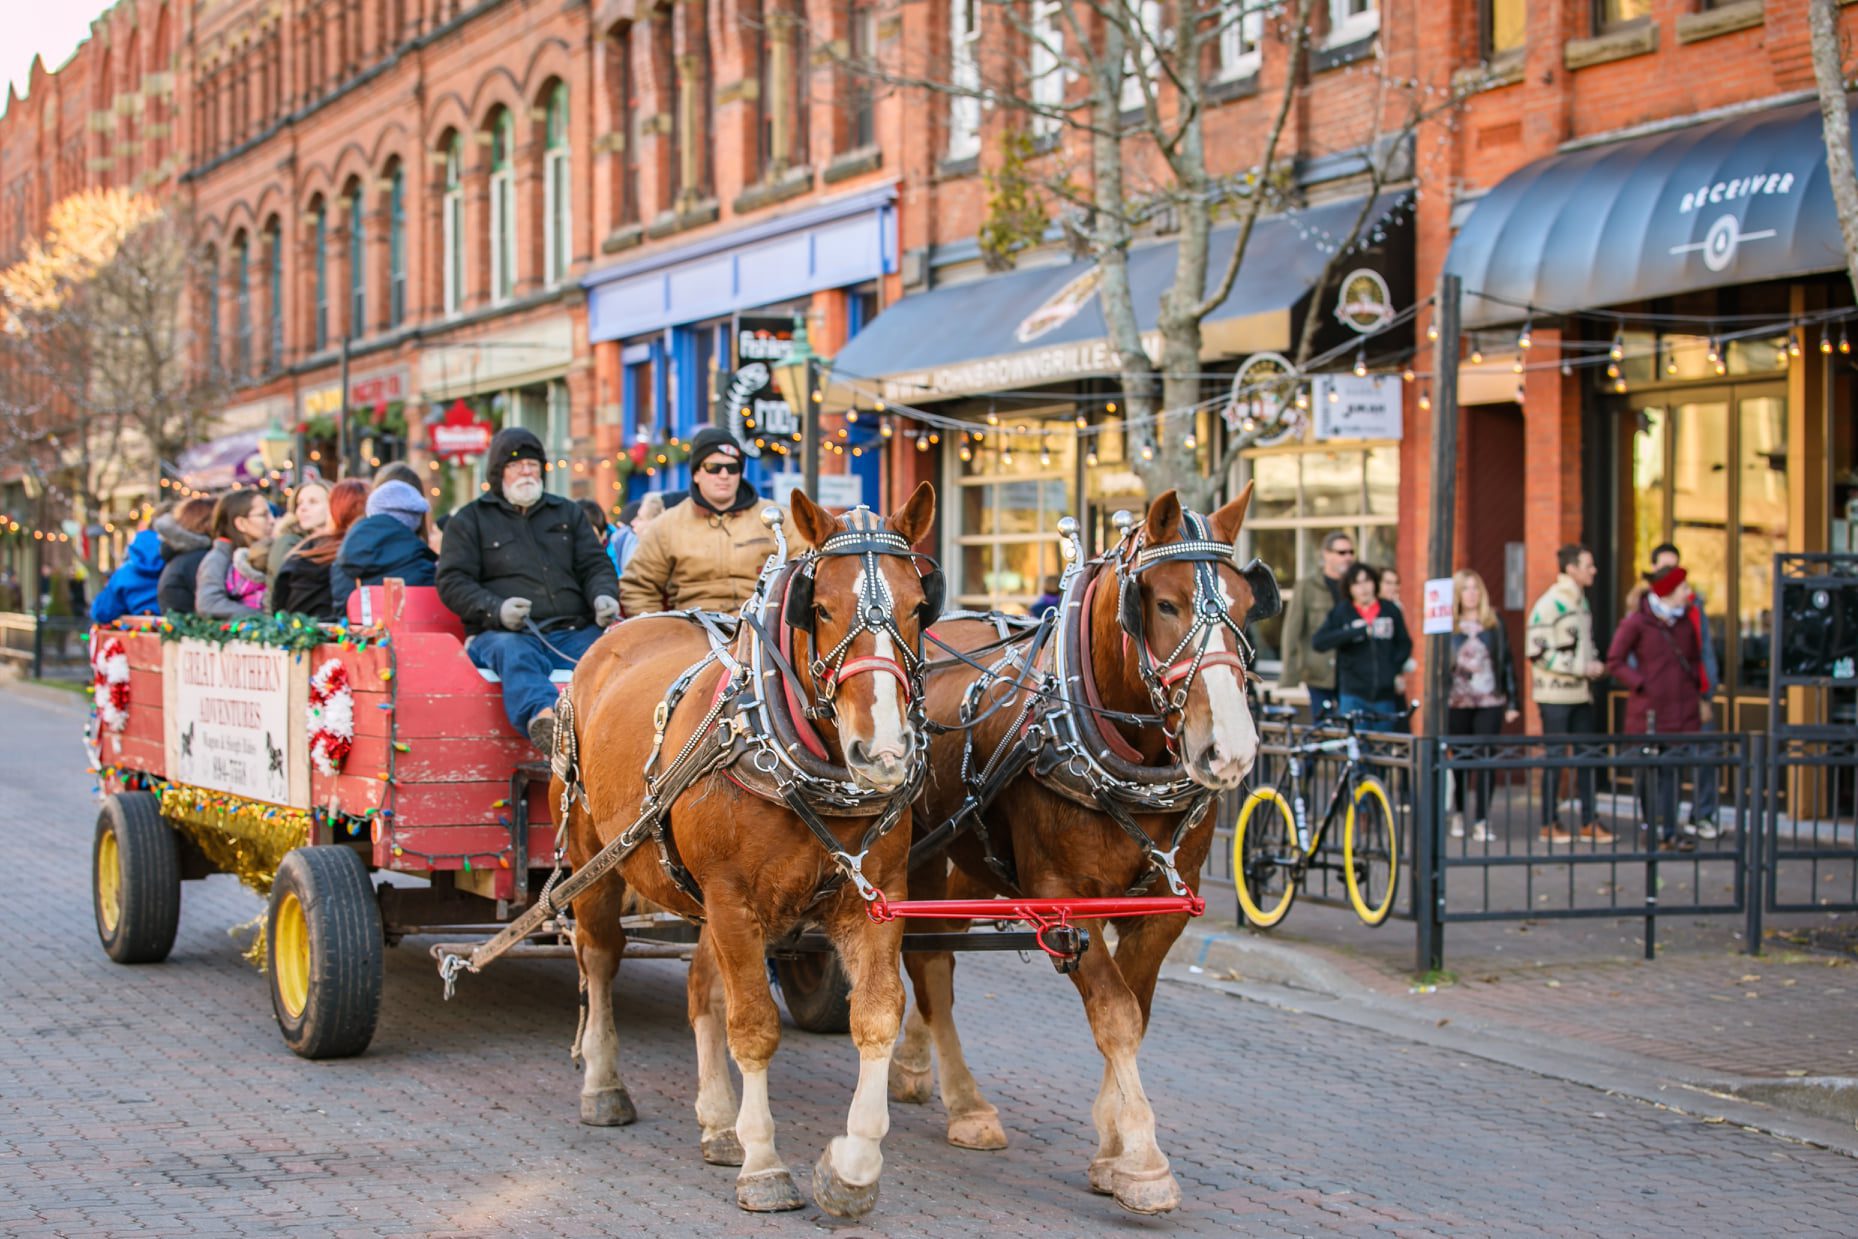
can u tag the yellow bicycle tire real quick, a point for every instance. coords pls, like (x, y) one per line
(1259, 916)
(1371, 914)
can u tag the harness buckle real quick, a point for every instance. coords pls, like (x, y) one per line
(853, 868)
(660, 717)
(1164, 861)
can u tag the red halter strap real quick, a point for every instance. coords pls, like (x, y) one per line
(872, 663)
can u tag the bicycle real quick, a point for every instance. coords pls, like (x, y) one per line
(1273, 847)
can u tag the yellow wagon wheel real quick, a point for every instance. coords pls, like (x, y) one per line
(324, 948)
(135, 879)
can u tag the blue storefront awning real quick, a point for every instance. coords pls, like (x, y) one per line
(1046, 325)
(1734, 201)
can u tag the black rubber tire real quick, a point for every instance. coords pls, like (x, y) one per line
(346, 952)
(817, 991)
(148, 861)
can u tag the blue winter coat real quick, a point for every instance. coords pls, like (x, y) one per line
(375, 548)
(132, 588)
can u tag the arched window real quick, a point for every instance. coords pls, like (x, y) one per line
(451, 226)
(357, 265)
(211, 292)
(557, 207)
(502, 207)
(242, 307)
(319, 276)
(396, 246)
(274, 280)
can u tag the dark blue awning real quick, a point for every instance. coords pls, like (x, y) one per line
(1046, 325)
(1733, 201)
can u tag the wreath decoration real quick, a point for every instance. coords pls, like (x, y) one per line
(109, 666)
(330, 717)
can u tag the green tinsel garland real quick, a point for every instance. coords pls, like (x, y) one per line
(286, 630)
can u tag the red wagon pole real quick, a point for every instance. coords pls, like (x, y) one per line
(1043, 915)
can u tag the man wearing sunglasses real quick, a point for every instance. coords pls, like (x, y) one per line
(705, 554)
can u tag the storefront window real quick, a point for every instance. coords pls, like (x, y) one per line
(1016, 484)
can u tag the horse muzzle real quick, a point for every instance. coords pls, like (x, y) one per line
(882, 767)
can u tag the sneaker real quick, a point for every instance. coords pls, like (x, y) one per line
(1555, 834)
(1683, 843)
(1594, 832)
(1481, 833)
(1457, 826)
(1704, 830)
(542, 732)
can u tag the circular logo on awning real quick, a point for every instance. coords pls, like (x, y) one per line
(1264, 396)
(1059, 308)
(1365, 303)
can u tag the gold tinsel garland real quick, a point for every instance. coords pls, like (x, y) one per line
(242, 837)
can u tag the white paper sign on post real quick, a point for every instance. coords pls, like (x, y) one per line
(1351, 407)
(1437, 617)
(229, 720)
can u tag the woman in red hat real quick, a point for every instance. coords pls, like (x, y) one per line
(1658, 655)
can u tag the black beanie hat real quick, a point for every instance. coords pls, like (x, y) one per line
(711, 440)
(510, 443)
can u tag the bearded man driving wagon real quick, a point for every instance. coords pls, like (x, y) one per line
(526, 573)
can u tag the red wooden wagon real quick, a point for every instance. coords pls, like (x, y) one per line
(207, 748)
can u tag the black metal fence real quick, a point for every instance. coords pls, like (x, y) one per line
(1810, 862)
(42, 645)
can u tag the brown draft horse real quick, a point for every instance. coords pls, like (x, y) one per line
(756, 864)
(1061, 848)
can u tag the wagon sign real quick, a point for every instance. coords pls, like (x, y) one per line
(229, 722)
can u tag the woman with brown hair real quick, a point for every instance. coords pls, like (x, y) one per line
(1483, 692)
(186, 536)
(301, 583)
(227, 586)
(308, 516)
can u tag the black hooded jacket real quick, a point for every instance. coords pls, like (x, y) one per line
(549, 554)
(182, 549)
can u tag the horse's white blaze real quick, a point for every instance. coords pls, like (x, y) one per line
(1234, 732)
(887, 716)
(856, 1156)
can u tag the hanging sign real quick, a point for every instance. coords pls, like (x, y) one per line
(1368, 407)
(761, 343)
(1364, 304)
(1437, 616)
(1263, 399)
(459, 435)
(232, 718)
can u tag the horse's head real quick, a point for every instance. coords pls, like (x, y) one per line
(1184, 604)
(859, 612)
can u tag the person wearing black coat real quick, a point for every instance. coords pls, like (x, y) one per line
(518, 559)
(185, 540)
(301, 584)
(385, 543)
(1371, 644)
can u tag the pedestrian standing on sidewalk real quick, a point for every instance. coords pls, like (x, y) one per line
(1371, 644)
(1483, 691)
(1658, 655)
(1310, 604)
(1706, 802)
(1563, 664)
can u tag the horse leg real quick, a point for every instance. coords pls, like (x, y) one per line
(1128, 1161)
(1141, 947)
(912, 1070)
(846, 1176)
(716, 1103)
(599, 941)
(973, 1123)
(735, 938)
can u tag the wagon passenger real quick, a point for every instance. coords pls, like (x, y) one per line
(708, 553)
(228, 585)
(525, 572)
(186, 536)
(385, 543)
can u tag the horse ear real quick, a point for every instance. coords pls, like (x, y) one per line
(913, 519)
(1227, 520)
(1164, 518)
(814, 522)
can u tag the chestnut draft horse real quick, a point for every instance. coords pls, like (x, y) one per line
(734, 854)
(1068, 786)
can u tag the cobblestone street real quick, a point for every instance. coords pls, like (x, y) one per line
(160, 1099)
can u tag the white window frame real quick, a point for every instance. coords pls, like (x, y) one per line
(502, 236)
(1045, 66)
(451, 224)
(1139, 60)
(964, 111)
(1241, 39)
(557, 206)
(1347, 26)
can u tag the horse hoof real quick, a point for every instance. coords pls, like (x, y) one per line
(911, 1087)
(768, 1191)
(610, 1107)
(1148, 1191)
(1103, 1176)
(836, 1196)
(723, 1149)
(980, 1130)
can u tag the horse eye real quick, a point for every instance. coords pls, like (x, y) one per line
(1167, 608)
(822, 612)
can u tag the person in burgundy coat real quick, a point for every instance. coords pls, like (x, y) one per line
(1657, 654)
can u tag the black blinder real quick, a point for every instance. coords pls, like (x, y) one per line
(1267, 603)
(1130, 607)
(935, 592)
(798, 610)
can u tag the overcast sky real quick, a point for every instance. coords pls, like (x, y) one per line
(48, 28)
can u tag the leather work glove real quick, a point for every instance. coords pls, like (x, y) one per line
(606, 610)
(513, 612)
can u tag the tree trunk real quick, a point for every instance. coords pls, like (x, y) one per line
(1828, 68)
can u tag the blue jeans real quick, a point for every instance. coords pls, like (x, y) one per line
(523, 664)
(1388, 708)
(1321, 701)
